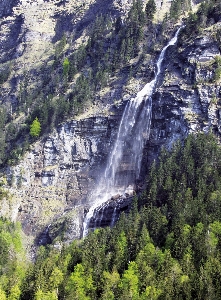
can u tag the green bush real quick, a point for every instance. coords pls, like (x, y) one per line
(217, 74)
(35, 128)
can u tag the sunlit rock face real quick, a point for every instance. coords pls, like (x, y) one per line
(52, 183)
(187, 98)
(60, 170)
(133, 133)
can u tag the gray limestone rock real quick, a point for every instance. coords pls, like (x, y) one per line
(51, 184)
(60, 170)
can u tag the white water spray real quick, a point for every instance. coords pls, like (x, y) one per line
(132, 135)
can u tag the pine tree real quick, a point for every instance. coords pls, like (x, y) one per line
(150, 9)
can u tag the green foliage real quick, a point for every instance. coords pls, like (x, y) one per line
(45, 296)
(110, 283)
(4, 75)
(60, 46)
(129, 283)
(2, 295)
(79, 284)
(121, 249)
(167, 247)
(150, 9)
(217, 73)
(35, 128)
(12, 268)
(218, 37)
(15, 293)
(178, 8)
(175, 9)
(2, 135)
(198, 20)
(66, 67)
(218, 60)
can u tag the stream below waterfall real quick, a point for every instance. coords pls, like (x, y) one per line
(119, 176)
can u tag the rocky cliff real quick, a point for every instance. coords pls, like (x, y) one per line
(56, 175)
(50, 185)
(187, 99)
(29, 40)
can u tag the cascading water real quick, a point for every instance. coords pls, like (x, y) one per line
(132, 135)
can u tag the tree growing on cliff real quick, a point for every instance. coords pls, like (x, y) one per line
(66, 67)
(35, 128)
(150, 9)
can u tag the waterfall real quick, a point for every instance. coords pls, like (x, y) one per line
(113, 217)
(119, 176)
(44, 237)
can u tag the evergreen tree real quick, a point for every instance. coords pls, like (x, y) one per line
(175, 9)
(66, 67)
(35, 128)
(150, 9)
(118, 25)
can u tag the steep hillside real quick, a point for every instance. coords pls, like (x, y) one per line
(68, 69)
(167, 247)
(39, 37)
(74, 66)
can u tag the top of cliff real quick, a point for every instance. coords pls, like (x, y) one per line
(38, 37)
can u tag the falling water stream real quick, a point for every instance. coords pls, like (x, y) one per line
(119, 176)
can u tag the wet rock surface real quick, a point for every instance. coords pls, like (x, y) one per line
(187, 98)
(50, 186)
(109, 212)
(59, 172)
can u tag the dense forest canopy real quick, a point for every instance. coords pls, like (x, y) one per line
(167, 247)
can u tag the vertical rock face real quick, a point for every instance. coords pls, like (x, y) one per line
(52, 183)
(187, 99)
(108, 213)
(6, 7)
(57, 174)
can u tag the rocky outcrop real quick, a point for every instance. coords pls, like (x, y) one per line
(69, 224)
(108, 213)
(49, 188)
(187, 98)
(52, 183)
(6, 7)
(59, 172)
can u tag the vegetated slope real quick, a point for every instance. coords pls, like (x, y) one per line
(83, 49)
(12, 259)
(91, 77)
(180, 256)
(168, 247)
(114, 62)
